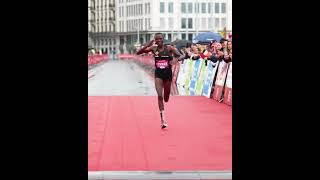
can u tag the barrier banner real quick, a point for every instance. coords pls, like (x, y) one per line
(175, 71)
(202, 76)
(187, 91)
(221, 77)
(207, 85)
(195, 75)
(94, 59)
(181, 90)
(125, 56)
(190, 64)
(182, 72)
(228, 88)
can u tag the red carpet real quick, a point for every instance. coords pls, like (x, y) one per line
(125, 134)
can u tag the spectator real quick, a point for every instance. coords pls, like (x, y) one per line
(228, 56)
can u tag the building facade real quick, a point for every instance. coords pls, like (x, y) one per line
(102, 24)
(131, 20)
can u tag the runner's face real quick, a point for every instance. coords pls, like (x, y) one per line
(159, 40)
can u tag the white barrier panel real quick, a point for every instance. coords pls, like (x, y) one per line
(181, 90)
(228, 88)
(182, 73)
(221, 77)
(207, 85)
(195, 75)
(201, 79)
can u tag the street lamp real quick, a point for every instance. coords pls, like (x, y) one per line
(137, 45)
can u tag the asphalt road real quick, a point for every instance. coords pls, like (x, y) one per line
(120, 78)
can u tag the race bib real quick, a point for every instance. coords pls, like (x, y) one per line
(162, 64)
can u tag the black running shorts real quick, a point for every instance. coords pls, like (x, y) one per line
(164, 74)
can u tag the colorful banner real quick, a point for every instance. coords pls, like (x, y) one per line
(181, 90)
(228, 88)
(207, 85)
(221, 77)
(202, 76)
(195, 75)
(190, 64)
(182, 73)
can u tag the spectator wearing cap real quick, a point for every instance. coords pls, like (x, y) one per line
(223, 43)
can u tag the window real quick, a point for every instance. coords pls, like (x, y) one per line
(161, 7)
(183, 36)
(169, 37)
(217, 22)
(122, 11)
(210, 23)
(140, 25)
(203, 7)
(216, 7)
(183, 23)
(204, 23)
(162, 23)
(197, 23)
(209, 7)
(119, 11)
(138, 7)
(223, 22)
(190, 36)
(223, 7)
(183, 7)
(170, 22)
(145, 24)
(170, 7)
(190, 23)
(146, 8)
(136, 25)
(190, 7)
(127, 26)
(196, 8)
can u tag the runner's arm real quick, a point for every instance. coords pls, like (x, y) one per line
(176, 54)
(146, 48)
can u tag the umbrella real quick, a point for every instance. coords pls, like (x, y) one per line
(166, 42)
(207, 37)
(181, 43)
